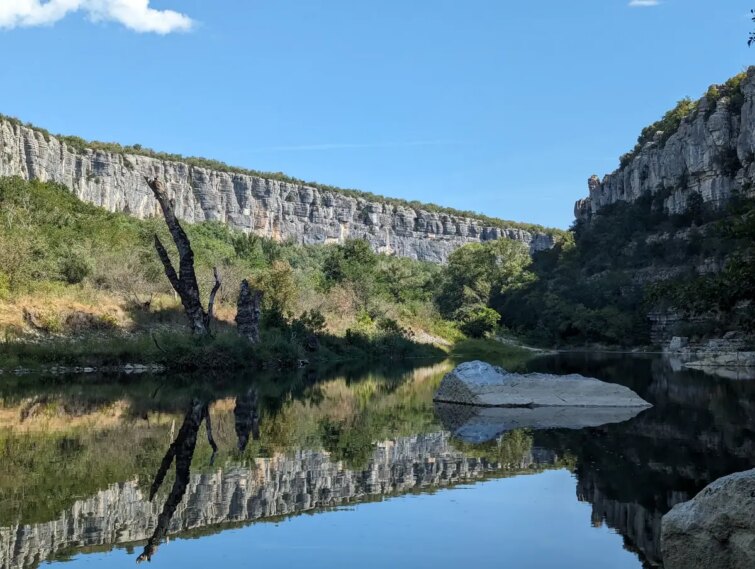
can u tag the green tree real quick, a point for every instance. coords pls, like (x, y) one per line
(480, 271)
(478, 321)
(353, 263)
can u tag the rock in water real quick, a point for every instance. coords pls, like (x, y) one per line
(716, 529)
(479, 383)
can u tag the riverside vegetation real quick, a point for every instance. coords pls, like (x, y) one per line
(91, 288)
(72, 269)
(88, 282)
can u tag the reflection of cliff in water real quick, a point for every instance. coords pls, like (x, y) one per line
(700, 428)
(283, 485)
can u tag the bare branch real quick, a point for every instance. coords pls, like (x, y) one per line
(182, 450)
(210, 438)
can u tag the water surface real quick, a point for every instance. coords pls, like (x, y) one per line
(352, 466)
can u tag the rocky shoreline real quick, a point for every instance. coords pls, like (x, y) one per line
(65, 370)
(726, 357)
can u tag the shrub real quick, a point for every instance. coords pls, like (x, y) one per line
(74, 268)
(667, 126)
(478, 321)
(4, 286)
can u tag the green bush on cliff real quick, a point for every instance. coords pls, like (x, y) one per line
(667, 125)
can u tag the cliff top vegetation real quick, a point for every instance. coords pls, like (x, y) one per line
(670, 122)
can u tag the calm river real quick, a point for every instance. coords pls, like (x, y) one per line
(352, 467)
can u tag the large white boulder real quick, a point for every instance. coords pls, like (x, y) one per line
(716, 529)
(479, 383)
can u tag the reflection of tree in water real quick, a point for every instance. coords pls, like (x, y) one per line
(246, 418)
(182, 451)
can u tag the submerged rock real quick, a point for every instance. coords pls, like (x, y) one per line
(716, 529)
(480, 424)
(479, 383)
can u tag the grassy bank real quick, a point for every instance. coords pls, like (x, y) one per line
(179, 351)
(81, 286)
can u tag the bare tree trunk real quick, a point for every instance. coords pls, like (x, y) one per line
(185, 281)
(248, 312)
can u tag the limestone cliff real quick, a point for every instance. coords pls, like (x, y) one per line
(250, 203)
(280, 486)
(711, 153)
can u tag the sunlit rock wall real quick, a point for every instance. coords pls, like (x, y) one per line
(266, 207)
(711, 154)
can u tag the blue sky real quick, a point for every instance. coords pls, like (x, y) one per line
(496, 106)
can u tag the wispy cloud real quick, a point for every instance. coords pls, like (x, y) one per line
(136, 15)
(350, 145)
(643, 3)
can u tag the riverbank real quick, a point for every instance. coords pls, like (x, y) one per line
(179, 352)
(224, 351)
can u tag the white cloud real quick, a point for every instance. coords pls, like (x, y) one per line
(643, 3)
(134, 14)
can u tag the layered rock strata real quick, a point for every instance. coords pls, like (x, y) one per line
(712, 154)
(279, 210)
(280, 486)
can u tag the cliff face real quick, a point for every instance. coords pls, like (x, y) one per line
(712, 154)
(279, 486)
(270, 208)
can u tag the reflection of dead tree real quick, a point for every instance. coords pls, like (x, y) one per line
(247, 418)
(185, 281)
(182, 451)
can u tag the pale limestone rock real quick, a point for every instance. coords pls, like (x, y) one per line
(283, 485)
(691, 161)
(266, 207)
(716, 529)
(476, 425)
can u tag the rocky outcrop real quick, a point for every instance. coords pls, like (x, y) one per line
(254, 204)
(280, 486)
(716, 529)
(479, 383)
(711, 154)
(729, 357)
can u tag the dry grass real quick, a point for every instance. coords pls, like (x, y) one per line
(73, 311)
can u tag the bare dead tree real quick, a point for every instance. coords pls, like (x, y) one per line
(248, 312)
(184, 282)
